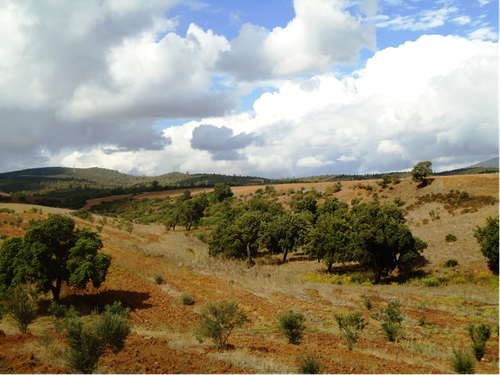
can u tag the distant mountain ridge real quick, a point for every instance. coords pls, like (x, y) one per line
(492, 163)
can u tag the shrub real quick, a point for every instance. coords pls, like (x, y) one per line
(217, 321)
(84, 214)
(432, 282)
(451, 263)
(60, 314)
(463, 362)
(186, 298)
(479, 335)
(309, 364)
(421, 306)
(159, 279)
(367, 302)
(3, 236)
(450, 238)
(88, 342)
(351, 326)
(464, 195)
(292, 325)
(19, 303)
(390, 318)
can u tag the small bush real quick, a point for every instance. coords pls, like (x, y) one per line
(351, 326)
(19, 303)
(3, 236)
(421, 306)
(186, 298)
(451, 263)
(159, 279)
(450, 238)
(84, 214)
(432, 282)
(292, 325)
(464, 195)
(309, 364)
(463, 361)
(390, 318)
(217, 321)
(479, 335)
(88, 342)
(367, 302)
(60, 314)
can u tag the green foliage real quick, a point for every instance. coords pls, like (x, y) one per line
(451, 263)
(390, 318)
(284, 233)
(463, 361)
(330, 239)
(382, 241)
(479, 335)
(464, 195)
(367, 302)
(421, 171)
(60, 314)
(395, 179)
(308, 203)
(387, 179)
(450, 238)
(487, 237)
(351, 326)
(222, 191)
(186, 298)
(292, 325)
(87, 342)
(52, 252)
(217, 321)
(159, 279)
(19, 302)
(309, 364)
(421, 306)
(3, 236)
(84, 214)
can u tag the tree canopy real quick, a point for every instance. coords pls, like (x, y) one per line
(487, 237)
(421, 171)
(222, 191)
(52, 252)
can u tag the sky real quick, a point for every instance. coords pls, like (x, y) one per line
(268, 88)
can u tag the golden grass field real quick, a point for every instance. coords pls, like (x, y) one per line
(163, 341)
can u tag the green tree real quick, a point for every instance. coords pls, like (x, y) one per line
(309, 203)
(222, 191)
(351, 326)
(382, 241)
(487, 237)
(52, 252)
(285, 233)
(191, 212)
(227, 240)
(330, 239)
(421, 171)
(249, 227)
(387, 179)
(292, 325)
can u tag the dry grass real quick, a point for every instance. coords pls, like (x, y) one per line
(255, 364)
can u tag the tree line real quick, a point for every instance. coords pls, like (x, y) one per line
(375, 236)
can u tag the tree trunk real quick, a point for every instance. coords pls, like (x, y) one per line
(284, 256)
(330, 267)
(56, 290)
(249, 256)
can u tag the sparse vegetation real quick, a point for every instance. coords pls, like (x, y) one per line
(450, 238)
(292, 325)
(451, 263)
(217, 321)
(308, 364)
(463, 361)
(19, 302)
(479, 335)
(351, 326)
(186, 298)
(390, 318)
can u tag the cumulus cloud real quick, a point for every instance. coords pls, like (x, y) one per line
(322, 33)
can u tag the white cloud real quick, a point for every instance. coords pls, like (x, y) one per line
(484, 33)
(462, 20)
(346, 158)
(322, 33)
(424, 20)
